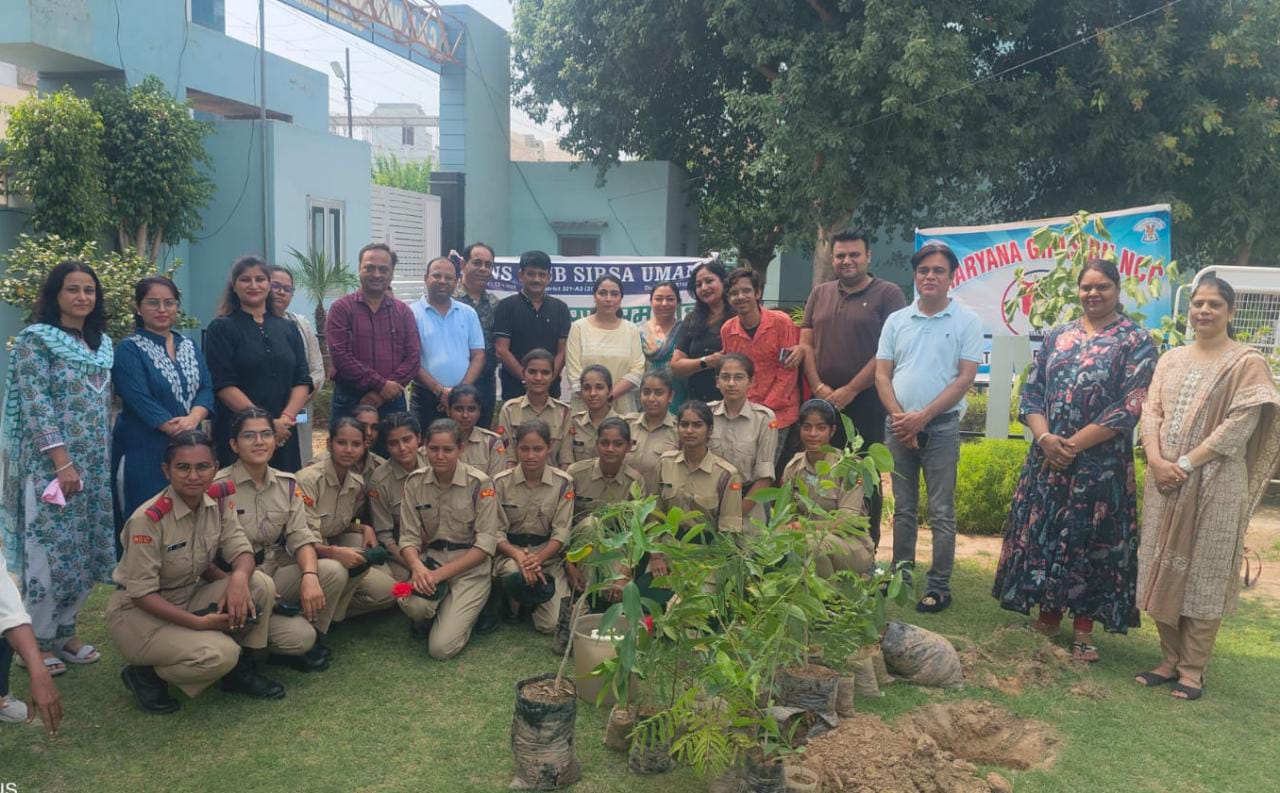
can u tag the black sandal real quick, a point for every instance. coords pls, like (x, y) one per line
(1151, 679)
(933, 602)
(1189, 693)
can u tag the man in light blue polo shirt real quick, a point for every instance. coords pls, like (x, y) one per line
(927, 359)
(452, 342)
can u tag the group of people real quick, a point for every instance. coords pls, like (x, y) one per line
(229, 552)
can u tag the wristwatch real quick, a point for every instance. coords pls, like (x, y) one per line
(1184, 462)
(702, 362)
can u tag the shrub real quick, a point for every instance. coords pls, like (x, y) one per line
(27, 264)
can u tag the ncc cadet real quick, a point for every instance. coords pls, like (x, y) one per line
(653, 429)
(367, 416)
(271, 512)
(403, 437)
(334, 496)
(694, 478)
(449, 526)
(605, 480)
(481, 448)
(537, 509)
(841, 501)
(745, 434)
(160, 617)
(536, 403)
(596, 392)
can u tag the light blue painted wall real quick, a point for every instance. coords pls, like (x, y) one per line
(642, 206)
(792, 271)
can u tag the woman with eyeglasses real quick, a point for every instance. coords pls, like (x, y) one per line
(164, 389)
(282, 291)
(257, 359)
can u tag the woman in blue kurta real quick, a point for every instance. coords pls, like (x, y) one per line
(164, 389)
(1071, 540)
(53, 446)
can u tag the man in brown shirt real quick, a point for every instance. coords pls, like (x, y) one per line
(842, 322)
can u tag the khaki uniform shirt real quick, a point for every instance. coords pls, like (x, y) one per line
(167, 546)
(748, 441)
(273, 517)
(330, 506)
(544, 509)
(386, 489)
(463, 510)
(649, 445)
(840, 497)
(713, 488)
(485, 450)
(592, 489)
(580, 444)
(517, 411)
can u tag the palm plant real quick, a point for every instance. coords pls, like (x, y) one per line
(319, 277)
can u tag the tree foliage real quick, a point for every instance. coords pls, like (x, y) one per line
(28, 262)
(391, 171)
(53, 154)
(319, 277)
(153, 151)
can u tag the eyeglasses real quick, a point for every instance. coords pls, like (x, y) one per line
(154, 303)
(282, 288)
(732, 377)
(249, 436)
(186, 469)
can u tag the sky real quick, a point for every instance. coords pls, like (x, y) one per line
(376, 74)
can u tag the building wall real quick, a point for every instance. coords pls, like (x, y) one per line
(792, 270)
(640, 210)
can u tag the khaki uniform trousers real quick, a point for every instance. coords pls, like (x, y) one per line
(295, 635)
(1187, 645)
(845, 553)
(545, 615)
(455, 614)
(191, 660)
(366, 593)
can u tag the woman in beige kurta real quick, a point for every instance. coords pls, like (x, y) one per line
(1211, 431)
(604, 337)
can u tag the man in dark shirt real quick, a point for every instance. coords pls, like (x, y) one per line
(477, 268)
(527, 321)
(841, 330)
(373, 340)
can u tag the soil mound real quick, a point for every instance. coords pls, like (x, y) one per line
(981, 732)
(930, 750)
(1013, 659)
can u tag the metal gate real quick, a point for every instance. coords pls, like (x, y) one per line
(1257, 321)
(410, 223)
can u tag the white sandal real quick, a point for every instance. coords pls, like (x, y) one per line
(55, 666)
(87, 654)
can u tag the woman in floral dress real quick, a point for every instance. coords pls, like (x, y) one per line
(1071, 540)
(54, 442)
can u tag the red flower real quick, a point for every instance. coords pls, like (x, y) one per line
(648, 623)
(401, 589)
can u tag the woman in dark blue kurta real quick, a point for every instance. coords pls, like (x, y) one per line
(1071, 539)
(164, 388)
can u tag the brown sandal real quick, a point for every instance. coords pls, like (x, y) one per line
(1083, 650)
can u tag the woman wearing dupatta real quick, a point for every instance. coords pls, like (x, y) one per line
(1071, 538)
(54, 443)
(660, 333)
(164, 389)
(1211, 431)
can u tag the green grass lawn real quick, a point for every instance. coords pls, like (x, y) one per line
(386, 717)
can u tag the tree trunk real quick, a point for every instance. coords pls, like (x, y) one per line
(757, 259)
(1245, 253)
(320, 318)
(822, 271)
(157, 239)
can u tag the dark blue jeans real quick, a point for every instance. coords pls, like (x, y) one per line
(6, 661)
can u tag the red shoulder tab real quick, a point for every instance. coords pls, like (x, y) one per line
(220, 490)
(162, 506)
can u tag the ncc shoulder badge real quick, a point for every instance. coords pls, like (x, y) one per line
(306, 499)
(735, 485)
(162, 506)
(487, 492)
(141, 539)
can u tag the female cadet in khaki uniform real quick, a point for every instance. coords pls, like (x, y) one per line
(271, 513)
(537, 506)
(334, 495)
(605, 480)
(596, 393)
(653, 429)
(480, 448)
(745, 433)
(537, 403)
(403, 437)
(169, 543)
(844, 502)
(448, 514)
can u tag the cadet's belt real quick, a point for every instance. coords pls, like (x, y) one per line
(526, 540)
(259, 556)
(445, 545)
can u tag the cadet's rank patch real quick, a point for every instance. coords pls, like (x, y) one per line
(568, 496)
(501, 430)
(773, 425)
(735, 485)
(488, 492)
(306, 499)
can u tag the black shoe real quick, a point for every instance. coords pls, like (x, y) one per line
(310, 661)
(421, 631)
(320, 649)
(244, 679)
(488, 620)
(149, 691)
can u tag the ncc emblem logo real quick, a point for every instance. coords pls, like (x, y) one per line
(1150, 228)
